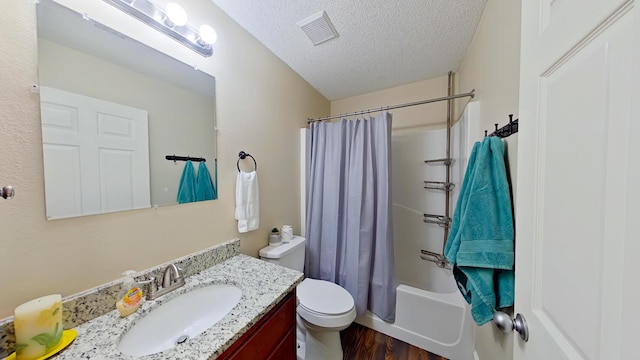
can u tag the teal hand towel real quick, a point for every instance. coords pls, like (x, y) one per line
(205, 190)
(480, 245)
(187, 186)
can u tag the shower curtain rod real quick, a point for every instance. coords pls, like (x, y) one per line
(385, 108)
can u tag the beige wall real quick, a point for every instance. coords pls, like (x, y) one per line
(492, 67)
(414, 117)
(261, 104)
(492, 63)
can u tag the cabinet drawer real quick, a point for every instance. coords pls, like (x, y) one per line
(283, 351)
(273, 333)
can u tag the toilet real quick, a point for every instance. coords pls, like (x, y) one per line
(323, 309)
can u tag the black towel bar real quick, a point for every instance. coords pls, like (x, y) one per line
(183, 158)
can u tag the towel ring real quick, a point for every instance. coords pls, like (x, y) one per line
(241, 156)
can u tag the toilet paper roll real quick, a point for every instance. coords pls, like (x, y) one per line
(286, 233)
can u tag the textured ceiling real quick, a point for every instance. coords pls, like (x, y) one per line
(381, 43)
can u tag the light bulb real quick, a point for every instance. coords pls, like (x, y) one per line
(207, 34)
(176, 14)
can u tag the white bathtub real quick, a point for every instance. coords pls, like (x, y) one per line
(438, 323)
(430, 311)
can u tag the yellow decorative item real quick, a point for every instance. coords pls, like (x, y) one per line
(38, 326)
(67, 337)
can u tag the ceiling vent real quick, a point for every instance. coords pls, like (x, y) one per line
(318, 28)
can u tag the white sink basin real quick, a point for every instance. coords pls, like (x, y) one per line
(179, 319)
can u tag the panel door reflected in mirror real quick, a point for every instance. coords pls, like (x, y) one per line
(96, 84)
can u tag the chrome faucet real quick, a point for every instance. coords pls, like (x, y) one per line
(171, 280)
(171, 276)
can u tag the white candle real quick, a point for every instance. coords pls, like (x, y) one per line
(38, 326)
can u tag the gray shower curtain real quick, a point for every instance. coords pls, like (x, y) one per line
(349, 233)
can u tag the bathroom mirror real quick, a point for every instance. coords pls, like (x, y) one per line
(112, 110)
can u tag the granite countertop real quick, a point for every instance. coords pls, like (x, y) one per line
(263, 285)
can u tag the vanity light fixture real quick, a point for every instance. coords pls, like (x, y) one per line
(207, 35)
(171, 21)
(176, 16)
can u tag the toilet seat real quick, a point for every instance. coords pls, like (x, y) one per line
(325, 304)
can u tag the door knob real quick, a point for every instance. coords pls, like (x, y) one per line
(504, 322)
(7, 192)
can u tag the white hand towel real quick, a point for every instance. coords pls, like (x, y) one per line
(247, 202)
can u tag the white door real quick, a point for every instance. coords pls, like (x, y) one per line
(96, 155)
(577, 215)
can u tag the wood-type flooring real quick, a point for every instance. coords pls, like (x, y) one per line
(362, 343)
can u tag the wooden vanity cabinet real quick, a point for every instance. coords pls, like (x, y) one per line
(272, 337)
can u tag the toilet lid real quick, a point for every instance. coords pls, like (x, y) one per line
(324, 297)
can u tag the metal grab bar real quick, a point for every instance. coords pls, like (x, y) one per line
(439, 259)
(439, 185)
(446, 161)
(441, 220)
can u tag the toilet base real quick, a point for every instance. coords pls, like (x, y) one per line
(300, 350)
(319, 343)
(323, 345)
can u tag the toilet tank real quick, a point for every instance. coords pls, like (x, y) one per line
(289, 254)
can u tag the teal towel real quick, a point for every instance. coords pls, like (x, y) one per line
(205, 190)
(481, 241)
(187, 186)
